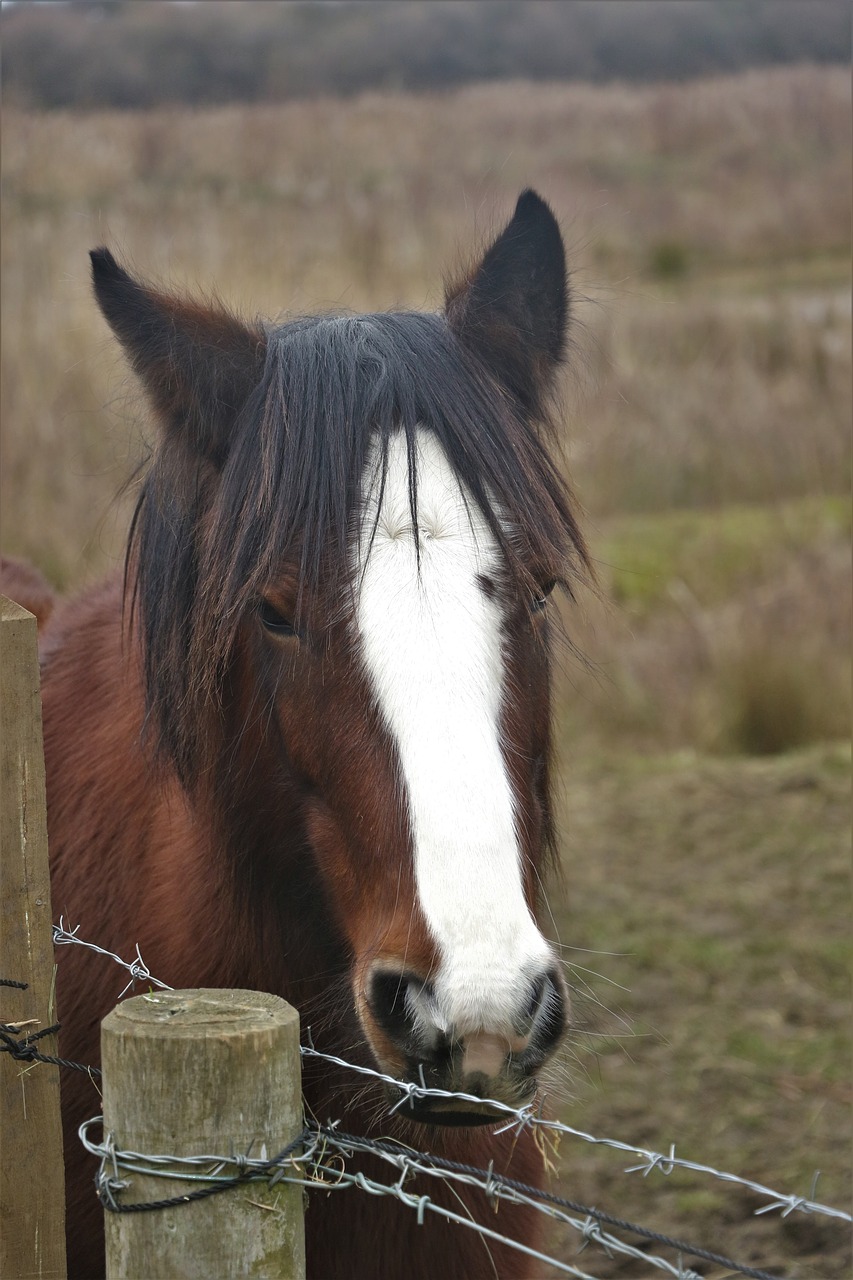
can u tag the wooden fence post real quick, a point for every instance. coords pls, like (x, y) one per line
(195, 1073)
(32, 1181)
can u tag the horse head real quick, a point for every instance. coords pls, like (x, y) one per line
(339, 572)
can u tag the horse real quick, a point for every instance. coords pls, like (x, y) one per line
(302, 743)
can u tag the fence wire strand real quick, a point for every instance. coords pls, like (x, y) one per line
(138, 969)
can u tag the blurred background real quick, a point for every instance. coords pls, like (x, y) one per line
(304, 156)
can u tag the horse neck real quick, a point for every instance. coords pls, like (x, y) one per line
(289, 940)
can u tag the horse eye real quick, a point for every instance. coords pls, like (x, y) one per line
(274, 621)
(541, 598)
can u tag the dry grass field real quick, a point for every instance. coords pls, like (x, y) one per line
(707, 408)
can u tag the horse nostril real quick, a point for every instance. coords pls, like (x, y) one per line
(537, 992)
(547, 1015)
(389, 996)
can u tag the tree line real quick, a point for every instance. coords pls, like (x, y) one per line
(125, 54)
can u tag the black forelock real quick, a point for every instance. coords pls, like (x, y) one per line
(293, 477)
(290, 487)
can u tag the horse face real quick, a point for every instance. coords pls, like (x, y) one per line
(421, 724)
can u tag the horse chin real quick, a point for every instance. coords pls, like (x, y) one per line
(451, 1114)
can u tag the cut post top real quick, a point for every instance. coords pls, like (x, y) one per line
(184, 1014)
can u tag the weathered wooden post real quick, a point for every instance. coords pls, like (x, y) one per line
(32, 1182)
(193, 1073)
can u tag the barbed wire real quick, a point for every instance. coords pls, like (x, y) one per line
(320, 1144)
(501, 1187)
(517, 1117)
(319, 1174)
(494, 1186)
(138, 969)
(528, 1116)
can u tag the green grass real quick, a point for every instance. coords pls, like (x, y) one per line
(724, 631)
(646, 561)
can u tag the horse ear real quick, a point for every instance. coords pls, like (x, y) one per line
(512, 309)
(198, 364)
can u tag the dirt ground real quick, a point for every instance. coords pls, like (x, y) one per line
(704, 916)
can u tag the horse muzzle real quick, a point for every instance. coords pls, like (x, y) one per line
(486, 1065)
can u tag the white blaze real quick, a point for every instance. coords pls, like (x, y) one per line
(431, 641)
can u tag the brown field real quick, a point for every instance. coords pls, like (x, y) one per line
(707, 408)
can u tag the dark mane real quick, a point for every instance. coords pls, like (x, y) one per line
(204, 545)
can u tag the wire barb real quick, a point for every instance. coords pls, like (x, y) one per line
(138, 969)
